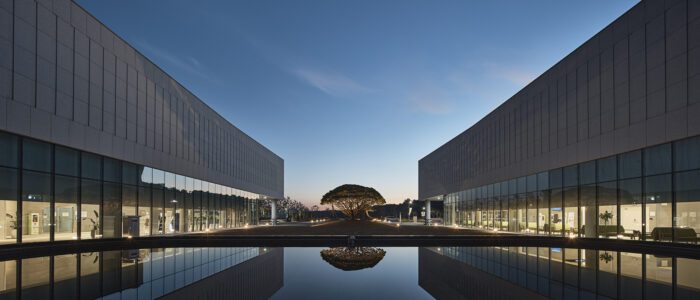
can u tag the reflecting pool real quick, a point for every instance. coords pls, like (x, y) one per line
(352, 273)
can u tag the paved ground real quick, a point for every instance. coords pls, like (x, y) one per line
(349, 228)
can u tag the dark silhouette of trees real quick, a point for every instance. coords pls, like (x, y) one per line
(353, 200)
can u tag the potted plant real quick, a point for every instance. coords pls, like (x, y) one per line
(13, 225)
(606, 217)
(95, 224)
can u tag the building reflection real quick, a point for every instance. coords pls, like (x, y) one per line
(556, 273)
(171, 273)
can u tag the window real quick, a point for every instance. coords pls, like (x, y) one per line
(91, 222)
(571, 207)
(91, 166)
(66, 214)
(687, 205)
(144, 213)
(588, 210)
(8, 150)
(555, 178)
(630, 165)
(587, 172)
(657, 160)
(607, 169)
(67, 162)
(631, 208)
(659, 208)
(111, 210)
(9, 221)
(607, 210)
(36, 155)
(145, 176)
(571, 176)
(112, 170)
(129, 173)
(36, 207)
(687, 154)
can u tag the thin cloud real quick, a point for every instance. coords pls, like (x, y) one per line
(331, 83)
(187, 64)
(430, 99)
(513, 75)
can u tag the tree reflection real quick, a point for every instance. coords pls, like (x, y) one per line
(353, 258)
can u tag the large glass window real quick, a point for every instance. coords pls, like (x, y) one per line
(91, 166)
(91, 227)
(532, 212)
(607, 210)
(589, 215)
(36, 207)
(36, 155)
(657, 160)
(630, 165)
(67, 161)
(112, 211)
(112, 170)
(556, 217)
(543, 225)
(571, 222)
(659, 208)
(686, 154)
(8, 150)
(8, 206)
(144, 211)
(630, 208)
(607, 169)
(66, 214)
(130, 219)
(158, 214)
(687, 206)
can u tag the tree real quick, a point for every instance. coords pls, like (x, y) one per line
(353, 199)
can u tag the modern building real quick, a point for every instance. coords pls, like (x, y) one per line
(603, 144)
(97, 142)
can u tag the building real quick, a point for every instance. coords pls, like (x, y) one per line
(98, 142)
(604, 144)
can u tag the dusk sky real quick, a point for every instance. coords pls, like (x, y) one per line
(355, 91)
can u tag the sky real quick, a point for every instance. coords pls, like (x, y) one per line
(355, 91)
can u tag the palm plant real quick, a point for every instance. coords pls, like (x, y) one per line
(606, 216)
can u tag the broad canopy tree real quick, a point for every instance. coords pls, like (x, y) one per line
(353, 200)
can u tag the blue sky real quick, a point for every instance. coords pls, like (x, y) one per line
(355, 91)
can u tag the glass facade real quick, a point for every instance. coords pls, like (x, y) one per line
(570, 273)
(51, 193)
(651, 194)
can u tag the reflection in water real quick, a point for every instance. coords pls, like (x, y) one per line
(405, 273)
(557, 273)
(171, 273)
(353, 258)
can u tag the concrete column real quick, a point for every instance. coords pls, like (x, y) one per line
(427, 212)
(273, 212)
